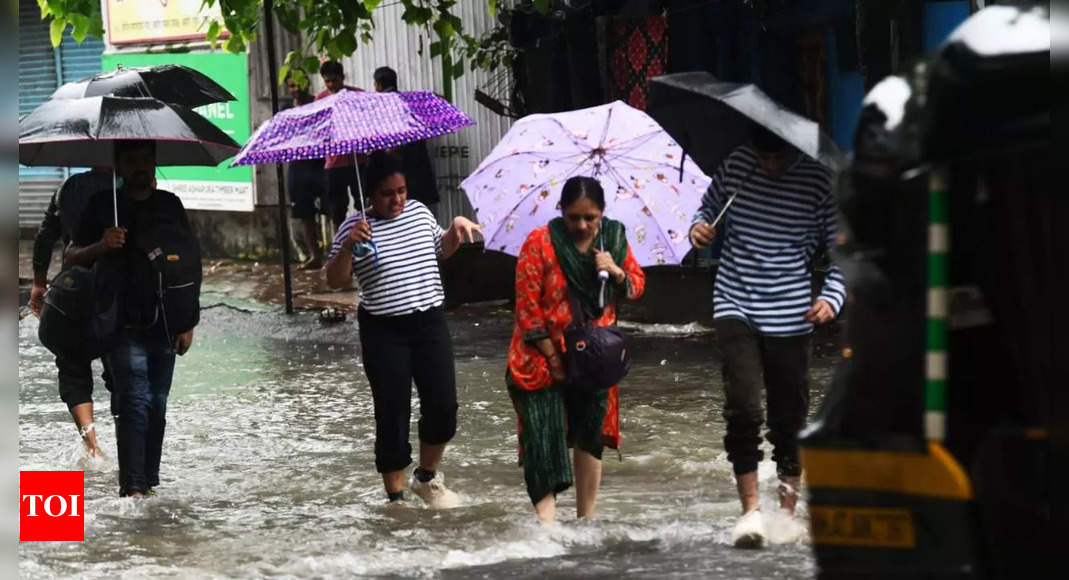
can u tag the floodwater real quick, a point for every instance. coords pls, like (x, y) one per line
(268, 468)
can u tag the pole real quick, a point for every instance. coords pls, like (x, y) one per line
(283, 218)
(935, 383)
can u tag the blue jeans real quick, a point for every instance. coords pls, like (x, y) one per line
(141, 365)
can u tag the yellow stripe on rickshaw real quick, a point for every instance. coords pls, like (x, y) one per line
(934, 474)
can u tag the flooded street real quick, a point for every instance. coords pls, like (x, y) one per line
(268, 467)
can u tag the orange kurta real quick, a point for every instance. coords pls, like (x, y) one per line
(542, 309)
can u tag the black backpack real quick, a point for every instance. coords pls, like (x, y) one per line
(80, 317)
(174, 253)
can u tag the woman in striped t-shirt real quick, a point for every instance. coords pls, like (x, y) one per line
(393, 252)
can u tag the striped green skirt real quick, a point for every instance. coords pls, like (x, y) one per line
(552, 420)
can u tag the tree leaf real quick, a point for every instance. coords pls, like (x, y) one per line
(81, 27)
(346, 42)
(56, 31)
(310, 65)
(417, 15)
(492, 5)
(234, 44)
(300, 78)
(542, 6)
(371, 5)
(444, 29)
(213, 33)
(283, 73)
(436, 49)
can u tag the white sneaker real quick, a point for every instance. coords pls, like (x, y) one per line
(435, 493)
(749, 532)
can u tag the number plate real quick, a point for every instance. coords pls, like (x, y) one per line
(853, 526)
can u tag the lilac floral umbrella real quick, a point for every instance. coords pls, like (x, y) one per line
(517, 187)
(351, 122)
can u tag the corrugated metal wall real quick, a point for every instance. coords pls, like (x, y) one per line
(397, 45)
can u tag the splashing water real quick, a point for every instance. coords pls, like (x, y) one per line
(268, 469)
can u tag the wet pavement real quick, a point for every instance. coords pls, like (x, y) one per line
(268, 465)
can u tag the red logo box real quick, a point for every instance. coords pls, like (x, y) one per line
(51, 506)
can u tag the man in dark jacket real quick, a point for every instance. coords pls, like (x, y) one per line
(419, 174)
(61, 219)
(136, 253)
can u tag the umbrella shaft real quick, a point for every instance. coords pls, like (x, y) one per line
(725, 210)
(359, 186)
(115, 196)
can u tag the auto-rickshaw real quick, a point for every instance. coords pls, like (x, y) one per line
(931, 455)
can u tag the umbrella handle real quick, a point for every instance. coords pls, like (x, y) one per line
(603, 277)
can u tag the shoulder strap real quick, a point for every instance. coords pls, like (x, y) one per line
(579, 317)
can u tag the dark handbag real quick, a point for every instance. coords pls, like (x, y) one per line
(596, 357)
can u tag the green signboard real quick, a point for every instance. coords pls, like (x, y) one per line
(208, 188)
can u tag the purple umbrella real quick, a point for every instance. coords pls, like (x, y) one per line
(517, 187)
(351, 122)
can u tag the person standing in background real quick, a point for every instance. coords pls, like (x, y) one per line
(306, 184)
(414, 158)
(341, 170)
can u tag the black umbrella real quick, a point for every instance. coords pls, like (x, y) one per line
(710, 119)
(170, 83)
(81, 133)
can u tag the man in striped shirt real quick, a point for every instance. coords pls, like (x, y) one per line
(764, 311)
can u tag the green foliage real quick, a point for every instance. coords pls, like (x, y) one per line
(82, 17)
(332, 28)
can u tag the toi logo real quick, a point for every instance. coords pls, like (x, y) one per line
(51, 506)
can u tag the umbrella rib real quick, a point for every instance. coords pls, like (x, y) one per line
(670, 166)
(645, 201)
(524, 198)
(653, 133)
(513, 156)
(605, 129)
(580, 145)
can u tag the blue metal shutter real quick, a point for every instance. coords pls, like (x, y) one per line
(37, 80)
(41, 71)
(78, 61)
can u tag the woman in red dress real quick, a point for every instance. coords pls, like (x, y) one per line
(566, 254)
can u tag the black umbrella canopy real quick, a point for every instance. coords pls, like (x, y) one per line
(170, 83)
(710, 118)
(81, 133)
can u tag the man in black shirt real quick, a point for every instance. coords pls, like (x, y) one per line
(142, 361)
(414, 158)
(60, 222)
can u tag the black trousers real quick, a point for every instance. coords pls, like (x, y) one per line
(781, 366)
(76, 380)
(398, 350)
(341, 185)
